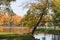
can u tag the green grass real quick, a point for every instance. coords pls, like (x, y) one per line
(49, 31)
(13, 36)
(17, 37)
(6, 33)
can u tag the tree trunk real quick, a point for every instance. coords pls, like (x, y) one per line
(37, 23)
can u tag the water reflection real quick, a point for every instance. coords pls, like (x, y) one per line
(54, 37)
(47, 37)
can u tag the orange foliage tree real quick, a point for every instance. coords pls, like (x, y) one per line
(16, 20)
(1, 20)
(6, 19)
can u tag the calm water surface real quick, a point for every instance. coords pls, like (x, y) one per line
(47, 37)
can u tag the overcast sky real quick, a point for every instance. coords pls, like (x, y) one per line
(18, 5)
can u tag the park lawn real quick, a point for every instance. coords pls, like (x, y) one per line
(6, 33)
(16, 37)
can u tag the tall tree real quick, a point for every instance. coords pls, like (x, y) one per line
(55, 6)
(35, 12)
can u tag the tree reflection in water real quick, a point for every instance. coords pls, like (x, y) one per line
(47, 37)
(55, 37)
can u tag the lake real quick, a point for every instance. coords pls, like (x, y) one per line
(47, 37)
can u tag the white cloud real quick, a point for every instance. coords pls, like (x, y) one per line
(17, 6)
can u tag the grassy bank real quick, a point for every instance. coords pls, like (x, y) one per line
(49, 31)
(16, 37)
(4, 33)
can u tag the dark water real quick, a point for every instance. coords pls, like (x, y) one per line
(47, 37)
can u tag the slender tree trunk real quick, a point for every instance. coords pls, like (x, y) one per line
(54, 22)
(37, 23)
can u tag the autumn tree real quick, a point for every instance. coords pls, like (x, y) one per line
(16, 20)
(1, 20)
(7, 19)
(34, 13)
(55, 6)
